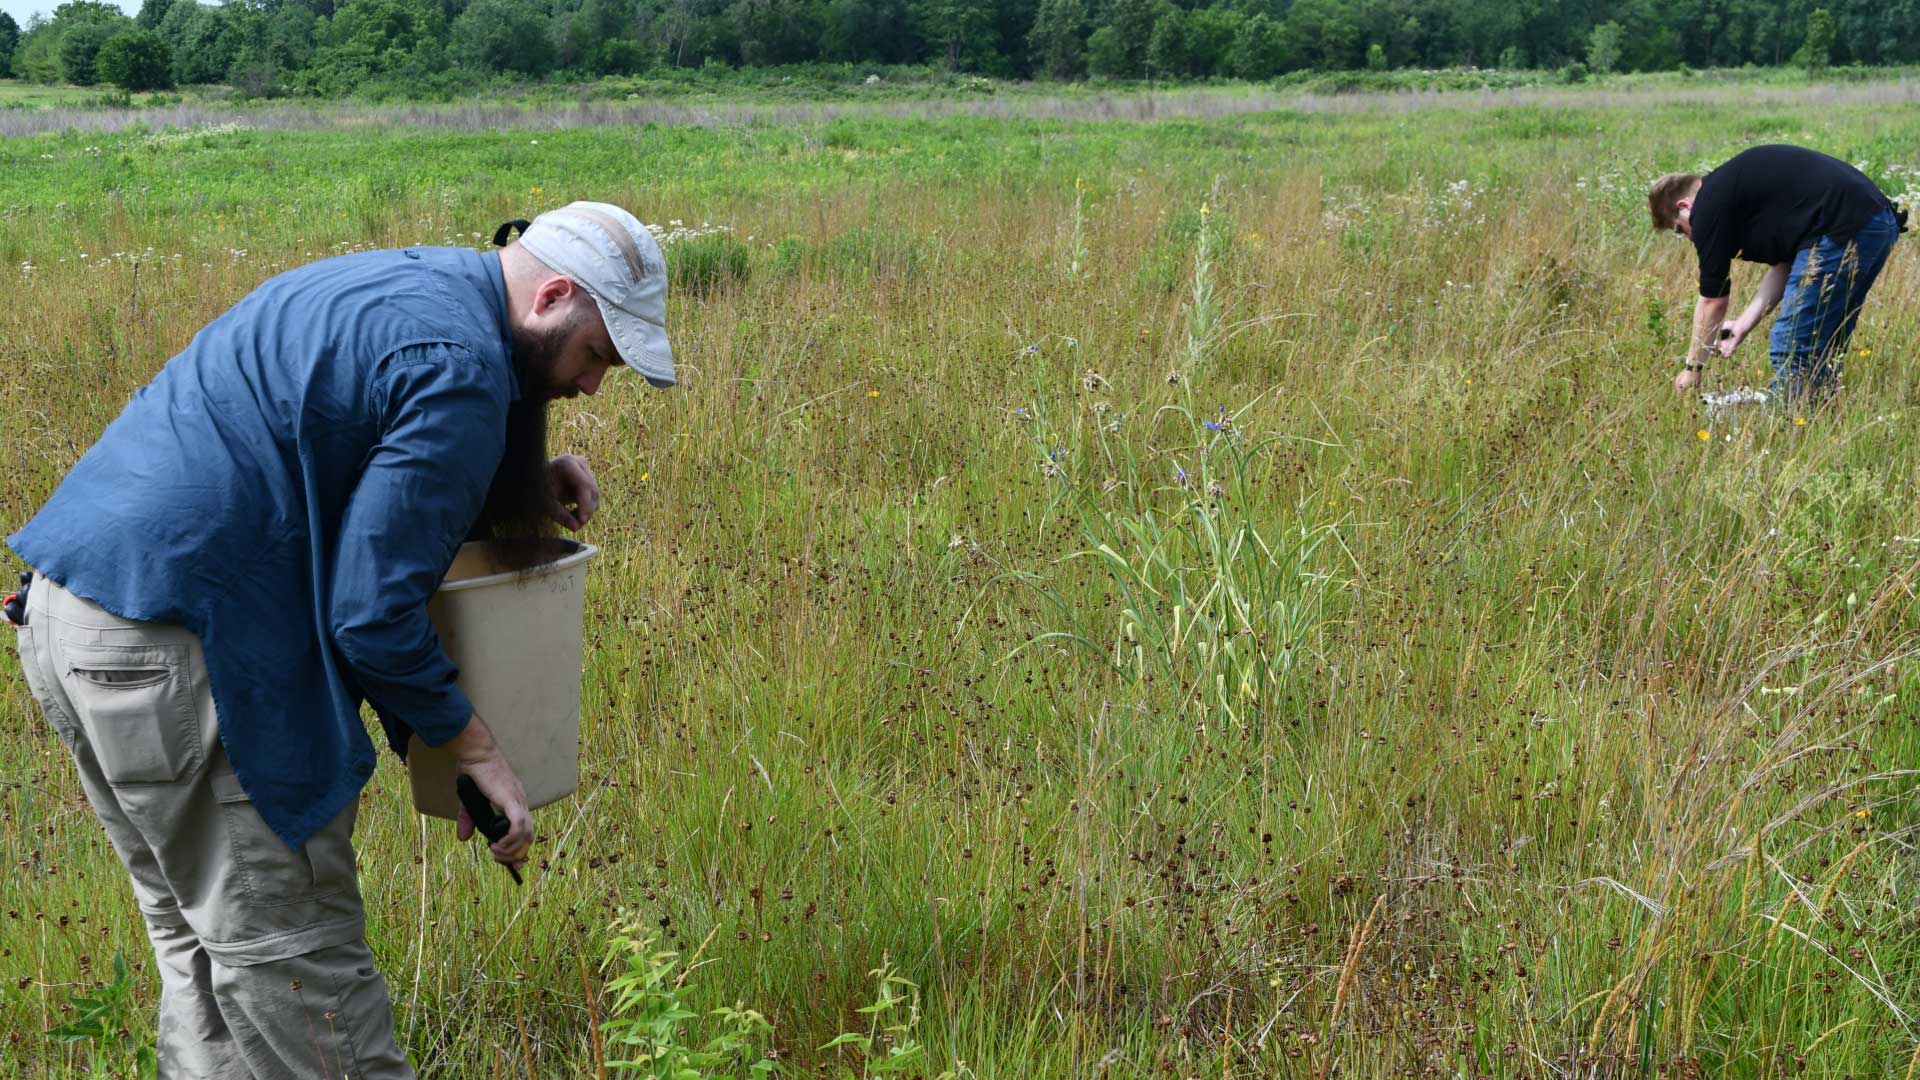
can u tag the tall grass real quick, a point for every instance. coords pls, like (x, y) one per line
(1397, 685)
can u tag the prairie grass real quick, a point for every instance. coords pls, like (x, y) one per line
(1351, 660)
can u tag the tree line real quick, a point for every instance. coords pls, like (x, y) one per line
(339, 47)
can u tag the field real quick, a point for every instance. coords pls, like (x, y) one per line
(1217, 597)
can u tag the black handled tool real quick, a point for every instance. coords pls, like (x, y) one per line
(492, 823)
(15, 604)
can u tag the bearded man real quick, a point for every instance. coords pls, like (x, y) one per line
(246, 556)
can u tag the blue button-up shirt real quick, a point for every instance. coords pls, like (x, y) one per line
(293, 488)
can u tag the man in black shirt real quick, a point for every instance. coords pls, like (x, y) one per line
(1822, 229)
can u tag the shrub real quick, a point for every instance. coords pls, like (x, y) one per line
(1603, 48)
(1817, 51)
(789, 253)
(80, 52)
(703, 264)
(869, 253)
(136, 60)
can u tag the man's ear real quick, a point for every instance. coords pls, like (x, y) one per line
(555, 292)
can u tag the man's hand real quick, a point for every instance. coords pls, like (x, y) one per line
(1730, 336)
(572, 493)
(479, 756)
(1686, 380)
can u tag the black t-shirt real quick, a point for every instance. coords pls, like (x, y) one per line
(1767, 203)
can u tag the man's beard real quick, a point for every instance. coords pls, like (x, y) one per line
(536, 355)
(516, 506)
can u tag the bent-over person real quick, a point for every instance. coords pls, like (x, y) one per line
(246, 555)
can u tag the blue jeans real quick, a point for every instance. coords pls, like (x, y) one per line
(1825, 288)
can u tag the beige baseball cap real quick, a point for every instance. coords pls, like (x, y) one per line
(607, 252)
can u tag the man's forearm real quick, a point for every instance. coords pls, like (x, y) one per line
(1765, 298)
(1708, 313)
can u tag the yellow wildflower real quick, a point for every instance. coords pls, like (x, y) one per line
(873, 393)
(1799, 421)
(643, 477)
(1702, 435)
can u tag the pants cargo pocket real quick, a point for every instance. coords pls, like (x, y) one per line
(136, 705)
(267, 871)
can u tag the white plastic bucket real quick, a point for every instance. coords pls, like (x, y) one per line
(516, 637)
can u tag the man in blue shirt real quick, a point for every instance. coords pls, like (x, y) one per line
(245, 557)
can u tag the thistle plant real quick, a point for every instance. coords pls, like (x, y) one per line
(1203, 305)
(1077, 260)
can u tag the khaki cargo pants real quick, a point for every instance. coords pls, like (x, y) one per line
(264, 969)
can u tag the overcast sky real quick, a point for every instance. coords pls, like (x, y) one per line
(20, 9)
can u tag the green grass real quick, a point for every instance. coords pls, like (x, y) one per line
(19, 94)
(1454, 708)
(15, 93)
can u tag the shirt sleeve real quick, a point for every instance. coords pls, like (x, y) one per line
(443, 427)
(1714, 242)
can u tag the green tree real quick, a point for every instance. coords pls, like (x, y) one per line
(9, 37)
(400, 41)
(1259, 50)
(1376, 57)
(80, 52)
(622, 56)
(151, 13)
(1322, 34)
(1107, 53)
(1057, 42)
(36, 56)
(1652, 31)
(76, 12)
(954, 27)
(136, 60)
(255, 73)
(1603, 47)
(1817, 51)
(290, 35)
(203, 50)
(501, 35)
(1210, 36)
(1167, 56)
(1132, 24)
(581, 30)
